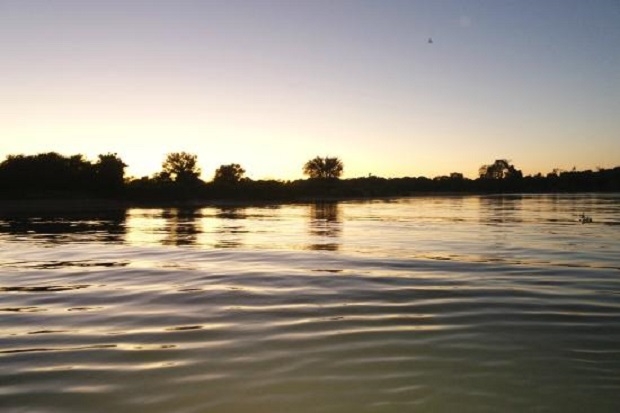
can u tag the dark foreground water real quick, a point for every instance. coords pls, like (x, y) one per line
(438, 304)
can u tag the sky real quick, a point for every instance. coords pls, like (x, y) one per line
(272, 84)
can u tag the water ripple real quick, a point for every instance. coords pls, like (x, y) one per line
(507, 306)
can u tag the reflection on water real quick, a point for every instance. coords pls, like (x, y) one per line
(431, 304)
(500, 209)
(58, 227)
(230, 229)
(325, 226)
(238, 226)
(496, 227)
(181, 227)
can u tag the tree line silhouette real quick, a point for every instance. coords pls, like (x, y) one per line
(51, 175)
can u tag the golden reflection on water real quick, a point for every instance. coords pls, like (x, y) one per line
(230, 229)
(237, 226)
(451, 228)
(182, 225)
(325, 226)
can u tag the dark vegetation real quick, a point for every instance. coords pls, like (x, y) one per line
(54, 176)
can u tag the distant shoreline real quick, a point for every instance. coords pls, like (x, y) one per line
(74, 182)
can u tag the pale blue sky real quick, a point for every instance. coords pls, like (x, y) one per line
(270, 84)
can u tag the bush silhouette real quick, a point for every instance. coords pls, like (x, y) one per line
(229, 174)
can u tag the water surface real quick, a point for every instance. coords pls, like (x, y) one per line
(430, 304)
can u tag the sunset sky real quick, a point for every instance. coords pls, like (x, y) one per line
(271, 84)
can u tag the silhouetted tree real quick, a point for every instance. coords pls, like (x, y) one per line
(229, 174)
(323, 168)
(110, 172)
(181, 167)
(500, 169)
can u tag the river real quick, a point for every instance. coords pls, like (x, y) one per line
(425, 304)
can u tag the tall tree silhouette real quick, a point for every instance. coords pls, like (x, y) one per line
(181, 167)
(323, 168)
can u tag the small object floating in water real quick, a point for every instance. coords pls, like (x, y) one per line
(584, 219)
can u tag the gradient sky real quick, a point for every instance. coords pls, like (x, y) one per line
(271, 84)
